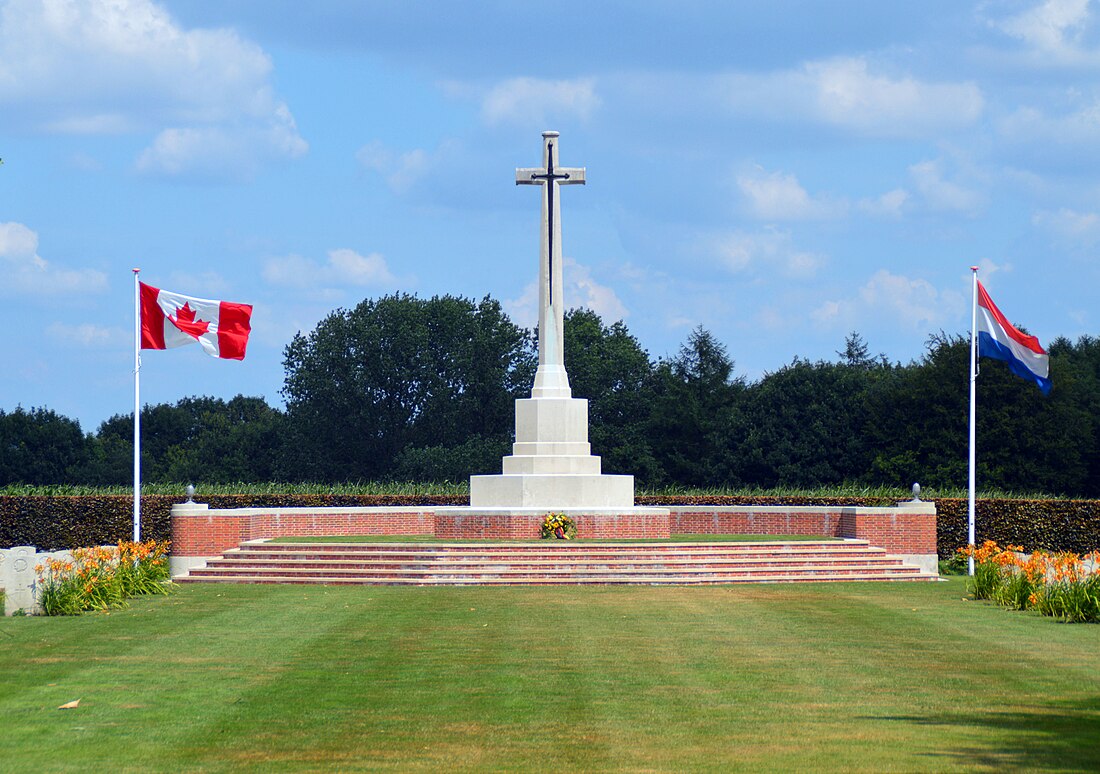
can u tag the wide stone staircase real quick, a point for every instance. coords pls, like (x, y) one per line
(554, 563)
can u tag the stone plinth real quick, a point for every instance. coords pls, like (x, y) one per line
(551, 465)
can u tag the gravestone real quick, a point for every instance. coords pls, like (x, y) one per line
(551, 464)
(17, 578)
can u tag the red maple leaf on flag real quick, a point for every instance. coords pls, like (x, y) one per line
(186, 322)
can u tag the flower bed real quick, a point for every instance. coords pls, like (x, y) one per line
(102, 577)
(1061, 585)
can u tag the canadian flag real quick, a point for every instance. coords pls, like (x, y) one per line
(170, 320)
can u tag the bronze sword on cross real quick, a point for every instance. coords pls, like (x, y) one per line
(550, 176)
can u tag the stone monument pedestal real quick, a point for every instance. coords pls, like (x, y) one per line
(551, 465)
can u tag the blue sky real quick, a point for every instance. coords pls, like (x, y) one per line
(779, 173)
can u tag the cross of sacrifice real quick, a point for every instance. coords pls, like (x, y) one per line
(550, 176)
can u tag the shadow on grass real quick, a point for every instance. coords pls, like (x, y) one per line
(1061, 736)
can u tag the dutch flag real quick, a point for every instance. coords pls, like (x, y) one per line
(1000, 339)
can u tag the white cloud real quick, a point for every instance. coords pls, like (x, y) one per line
(827, 312)
(889, 205)
(1031, 125)
(779, 196)
(25, 272)
(537, 100)
(401, 170)
(942, 194)
(1078, 228)
(846, 93)
(344, 267)
(205, 284)
(590, 294)
(87, 335)
(217, 151)
(915, 303)
(987, 268)
(1052, 28)
(766, 251)
(580, 290)
(111, 66)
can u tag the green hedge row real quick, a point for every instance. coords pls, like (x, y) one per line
(68, 522)
(54, 523)
(1050, 525)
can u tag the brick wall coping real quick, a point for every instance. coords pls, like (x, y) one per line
(638, 510)
(201, 509)
(908, 506)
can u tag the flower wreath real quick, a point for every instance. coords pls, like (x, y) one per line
(558, 525)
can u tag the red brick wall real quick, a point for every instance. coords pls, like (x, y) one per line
(527, 526)
(209, 534)
(748, 520)
(898, 530)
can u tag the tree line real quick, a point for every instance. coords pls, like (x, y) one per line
(403, 388)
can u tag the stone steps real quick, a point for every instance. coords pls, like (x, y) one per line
(553, 563)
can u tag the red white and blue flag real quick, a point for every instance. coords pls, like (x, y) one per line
(168, 320)
(1000, 339)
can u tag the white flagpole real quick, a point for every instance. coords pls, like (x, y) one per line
(973, 414)
(137, 407)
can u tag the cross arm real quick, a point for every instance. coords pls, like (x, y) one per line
(576, 175)
(526, 176)
(537, 175)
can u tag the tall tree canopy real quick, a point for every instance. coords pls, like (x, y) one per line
(407, 388)
(400, 372)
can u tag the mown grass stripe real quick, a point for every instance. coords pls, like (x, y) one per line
(849, 676)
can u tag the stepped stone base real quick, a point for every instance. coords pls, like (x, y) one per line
(200, 533)
(555, 563)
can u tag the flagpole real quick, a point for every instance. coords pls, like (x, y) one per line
(973, 415)
(137, 407)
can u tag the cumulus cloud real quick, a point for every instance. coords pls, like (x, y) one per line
(400, 169)
(889, 205)
(581, 290)
(939, 193)
(538, 100)
(1031, 125)
(768, 250)
(87, 335)
(344, 267)
(112, 66)
(26, 273)
(1071, 226)
(914, 304)
(1053, 28)
(779, 196)
(846, 93)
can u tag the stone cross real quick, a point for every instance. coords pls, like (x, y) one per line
(550, 379)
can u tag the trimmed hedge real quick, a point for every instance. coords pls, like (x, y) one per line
(1050, 525)
(53, 523)
(56, 523)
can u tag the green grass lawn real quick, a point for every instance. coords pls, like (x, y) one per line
(870, 677)
(687, 538)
